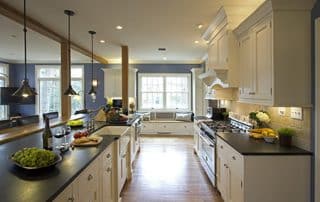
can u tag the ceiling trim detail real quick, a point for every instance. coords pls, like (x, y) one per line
(17, 16)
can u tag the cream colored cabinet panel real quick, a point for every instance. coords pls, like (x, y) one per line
(107, 172)
(235, 175)
(222, 42)
(213, 55)
(88, 183)
(247, 73)
(69, 194)
(262, 60)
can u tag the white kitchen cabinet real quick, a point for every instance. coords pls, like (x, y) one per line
(246, 178)
(197, 89)
(113, 82)
(135, 131)
(196, 133)
(167, 127)
(222, 49)
(274, 55)
(123, 160)
(69, 194)
(107, 184)
(89, 183)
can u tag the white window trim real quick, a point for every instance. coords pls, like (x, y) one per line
(140, 75)
(37, 68)
(80, 79)
(5, 77)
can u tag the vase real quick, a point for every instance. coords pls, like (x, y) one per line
(285, 140)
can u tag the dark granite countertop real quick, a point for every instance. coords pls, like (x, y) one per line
(44, 185)
(249, 146)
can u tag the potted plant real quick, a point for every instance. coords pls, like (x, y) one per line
(285, 136)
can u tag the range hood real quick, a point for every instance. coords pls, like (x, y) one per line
(216, 79)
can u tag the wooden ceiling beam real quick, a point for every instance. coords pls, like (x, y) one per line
(36, 26)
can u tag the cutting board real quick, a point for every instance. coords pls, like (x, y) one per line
(88, 144)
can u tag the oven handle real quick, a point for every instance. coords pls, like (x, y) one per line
(206, 141)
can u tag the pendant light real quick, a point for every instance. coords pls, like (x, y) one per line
(25, 90)
(69, 91)
(92, 91)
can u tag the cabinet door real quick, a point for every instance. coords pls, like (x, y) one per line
(88, 183)
(262, 60)
(247, 72)
(69, 194)
(224, 178)
(213, 55)
(222, 43)
(235, 179)
(107, 185)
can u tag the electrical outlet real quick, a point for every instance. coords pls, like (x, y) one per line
(296, 113)
(281, 111)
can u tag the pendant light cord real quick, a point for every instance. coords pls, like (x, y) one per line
(25, 39)
(69, 50)
(92, 58)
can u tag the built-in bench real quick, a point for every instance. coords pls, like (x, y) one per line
(165, 123)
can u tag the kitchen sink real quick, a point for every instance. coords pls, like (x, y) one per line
(112, 130)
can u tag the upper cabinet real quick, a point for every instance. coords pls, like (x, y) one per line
(274, 54)
(222, 47)
(113, 82)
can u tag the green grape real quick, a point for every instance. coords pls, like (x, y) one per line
(34, 157)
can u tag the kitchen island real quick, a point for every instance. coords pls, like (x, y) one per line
(45, 185)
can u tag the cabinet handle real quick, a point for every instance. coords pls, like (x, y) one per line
(252, 93)
(234, 158)
(90, 177)
(71, 199)
(108, 169)
(226, 166)
(124, 155)
(108, 156)
(221, 147)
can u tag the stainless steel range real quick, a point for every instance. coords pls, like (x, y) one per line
(207, 141)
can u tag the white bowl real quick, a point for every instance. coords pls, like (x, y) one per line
(270, 139)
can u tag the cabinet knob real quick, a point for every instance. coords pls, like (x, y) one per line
(221, 147)
(108, 156)
(233, 157)
(90, 177)
(109, 169)
(71, 198)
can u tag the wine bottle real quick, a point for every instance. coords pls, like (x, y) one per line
(47, 136)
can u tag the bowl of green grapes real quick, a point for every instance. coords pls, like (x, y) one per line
(35, 158)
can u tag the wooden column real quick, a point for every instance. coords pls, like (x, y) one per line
(65, 99)
(125, 77)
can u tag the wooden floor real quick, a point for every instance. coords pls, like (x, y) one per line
(166, 169)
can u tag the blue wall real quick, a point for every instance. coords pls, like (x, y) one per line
(16, 74)
(98, 74)
(160, 68)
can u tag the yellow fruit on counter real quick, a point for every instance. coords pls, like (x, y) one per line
(256, 135)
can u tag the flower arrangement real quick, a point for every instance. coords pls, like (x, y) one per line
(261, 118)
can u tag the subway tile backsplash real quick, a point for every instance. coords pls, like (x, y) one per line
(303, 127)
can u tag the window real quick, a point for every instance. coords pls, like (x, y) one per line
(164, 91)
(4, 75)
(77, 102)
(49, 88)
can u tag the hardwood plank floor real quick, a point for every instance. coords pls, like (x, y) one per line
(167, 170)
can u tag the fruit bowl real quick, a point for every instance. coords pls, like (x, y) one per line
(270, 140)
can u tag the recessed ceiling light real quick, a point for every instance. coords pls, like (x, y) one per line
(119, 27)
(162, 49)
(199, 26)
(164, 58)
(196, 41)
(102, 41)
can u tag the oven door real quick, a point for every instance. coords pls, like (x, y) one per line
(207, 157)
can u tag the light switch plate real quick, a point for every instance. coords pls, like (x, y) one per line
(296, 113)
(281, 111)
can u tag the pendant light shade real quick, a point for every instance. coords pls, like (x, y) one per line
(25, 90)
(92, 91)
(69, 91)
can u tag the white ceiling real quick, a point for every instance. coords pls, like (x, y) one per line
(148, 25)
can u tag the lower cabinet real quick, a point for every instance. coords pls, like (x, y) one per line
(69, 194)
(89, 183)
(263, 178)
(167, 127)
(96, 183)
